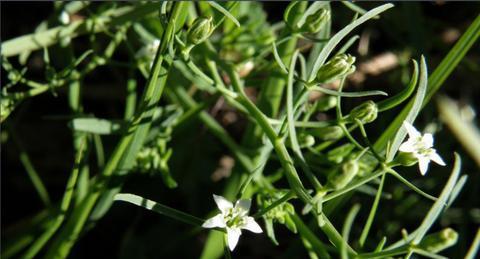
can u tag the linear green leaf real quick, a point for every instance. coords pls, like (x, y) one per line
(399, 98)
(347, 94)
(413, 111)
(332, 43)
(97, 126)
(159, 208)
(472, 251)
(439, 205)
(225, 12)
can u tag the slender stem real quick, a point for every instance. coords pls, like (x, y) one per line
(32, 173)
(278, 145)
(305, 232)
(67, 198)
(371, 215)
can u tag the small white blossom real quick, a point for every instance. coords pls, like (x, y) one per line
(421, 147)
(148, 50)
(64, 18)
(233, 219)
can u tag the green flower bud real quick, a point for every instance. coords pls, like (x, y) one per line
(280, 213)
(154, 159)
(200, 30)
(326, 103)
(7, 105)
(338, 154)
(340, 179)
(439, 241)
(316, 21)
(306, 140)
(405, 159)
(365, 112)
(328, 133)
(339, 66)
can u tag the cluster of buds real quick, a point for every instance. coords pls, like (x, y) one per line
(154, 159)
(280, 214)
(339, 66)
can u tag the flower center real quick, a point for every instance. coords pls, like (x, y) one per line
(234, 217)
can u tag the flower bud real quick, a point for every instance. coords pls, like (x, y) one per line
(326, 103)
(200, 30)
(340, 179)
(280, 213)
(339, 66)
(306, 140)
(365, 112)
(316, 21)
(439, 241)
(7, 106)
(338, 154)
(405, 159)
(328, 133)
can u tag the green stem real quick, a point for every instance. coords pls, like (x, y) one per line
(305, 232)
(32, 173)
(278, 144)
(215, 128)
(371, 215)
(50, 37)
(67, 198)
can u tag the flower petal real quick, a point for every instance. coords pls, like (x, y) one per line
(436, 158)
(222, 203)
(214, 222)
(244, 205)
(407, 146)
(252, 225)
(233, 234)
(427, 140)
(423, 164)
(412, 132)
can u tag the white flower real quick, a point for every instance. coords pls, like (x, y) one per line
(421, 147)
(233, 219)
(148, 50)
(64, 18)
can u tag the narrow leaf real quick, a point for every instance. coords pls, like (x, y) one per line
(97, 126)
(394, 101)
(413, 112)
(159, 208)
(225, 12)
(332, 43)
(439, 205)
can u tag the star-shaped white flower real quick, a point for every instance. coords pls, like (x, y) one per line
(421, 147)
(233, 219)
